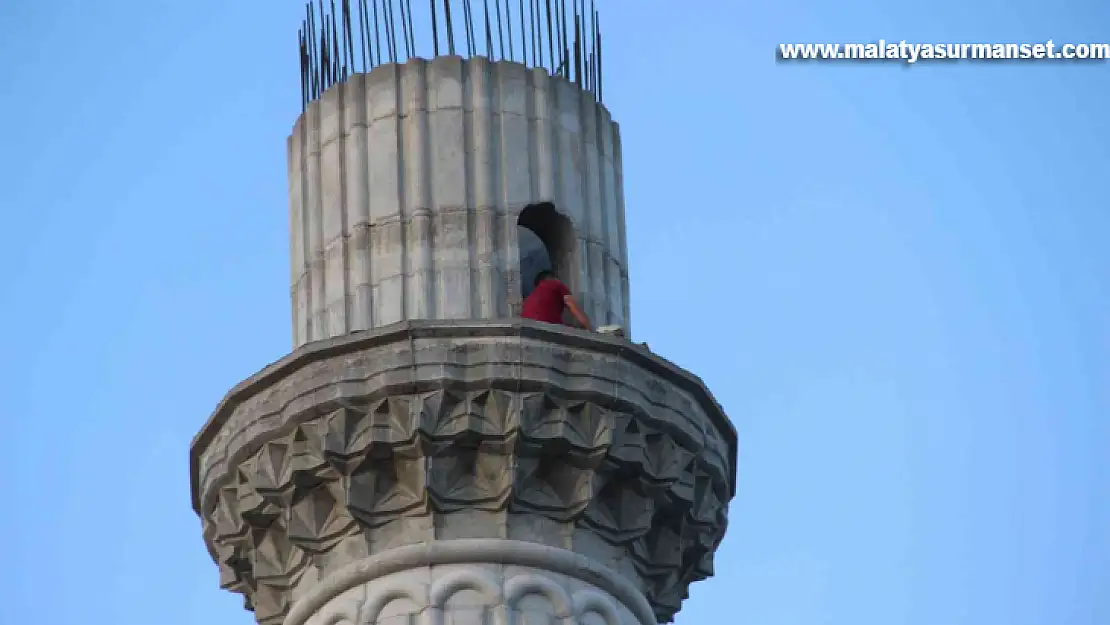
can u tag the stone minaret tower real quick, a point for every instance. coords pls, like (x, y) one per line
(424, 456)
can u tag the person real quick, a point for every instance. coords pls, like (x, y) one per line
(548, 299)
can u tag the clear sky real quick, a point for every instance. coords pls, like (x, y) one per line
(896, 281)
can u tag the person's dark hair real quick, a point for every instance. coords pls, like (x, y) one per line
(541, 276)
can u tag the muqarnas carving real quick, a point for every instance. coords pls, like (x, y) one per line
(363, 465)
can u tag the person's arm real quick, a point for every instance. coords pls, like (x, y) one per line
(576, 312)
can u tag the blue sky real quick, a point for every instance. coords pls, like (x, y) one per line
(894, 279)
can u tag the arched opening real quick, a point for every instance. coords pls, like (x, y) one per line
(546, 241)
(534, 258)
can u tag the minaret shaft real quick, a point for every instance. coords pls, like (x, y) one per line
(424, 456)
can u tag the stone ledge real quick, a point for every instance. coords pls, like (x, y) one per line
(442, 431)
(412, 330)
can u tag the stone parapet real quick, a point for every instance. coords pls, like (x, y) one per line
(447, 432)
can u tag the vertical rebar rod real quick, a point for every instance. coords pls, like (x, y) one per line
(585, 66)
(336, 51)
(473, 39)
(588, 42)
(391, 39)
(593, 44)
(489, 31)
(404, 30)
(575, 65)
(314, 52)
(412, 30)
(391, 24)
(564, 52)
(344, 5)
(587, 48)
(523, 34)
(322, 40)
(593, 73)
(393, 32)
(377, 35)
(300, 54)
(466, 32)
(539, 33)
(348, 39)
(466, 28)
(509, 29)
(335, 56)
(500, 31)
(550, 40)
(387, 32)
(577, 49)
(532, 30)
(325, 55)
(557, 48)
(556, 39)
(321, 54)
(590, 60)
(600, 74)
(310, 62)
(585, 26)
(362, 35)
(310, 32)
(450, 30)
(300, 62)
(589, 67)
(435, 28)
(330, 25)
(404, 27)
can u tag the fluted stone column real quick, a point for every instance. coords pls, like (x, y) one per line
(451, 472)
(406, 184)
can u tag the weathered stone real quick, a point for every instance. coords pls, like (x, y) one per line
(432, 430)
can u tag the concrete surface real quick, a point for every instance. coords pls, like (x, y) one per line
(405, 185)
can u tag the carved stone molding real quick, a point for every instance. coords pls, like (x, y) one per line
(482, 581)
(448, 431)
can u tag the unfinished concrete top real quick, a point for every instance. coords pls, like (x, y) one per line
(407, 185)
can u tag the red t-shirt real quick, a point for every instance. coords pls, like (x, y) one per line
(546, 302)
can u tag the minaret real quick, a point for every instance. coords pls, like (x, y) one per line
(424, 456)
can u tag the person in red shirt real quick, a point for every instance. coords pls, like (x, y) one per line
(548, 299)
